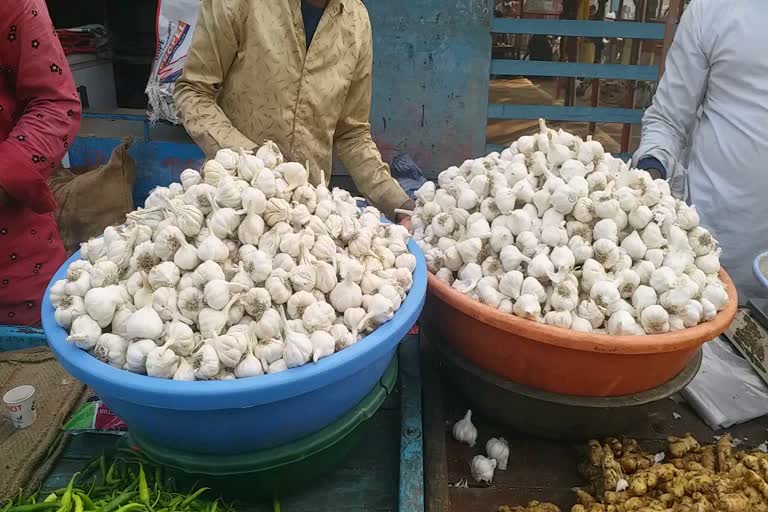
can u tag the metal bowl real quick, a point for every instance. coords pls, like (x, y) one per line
(552, 415)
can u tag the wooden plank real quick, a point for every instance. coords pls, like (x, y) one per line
(366, 480)
(579, 28)
(479, 500)
(556, 113)
(85, 447)
(546, 470)
(435, 464)
(510, 67)
(411, 487)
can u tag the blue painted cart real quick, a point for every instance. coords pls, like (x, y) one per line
(383, 473)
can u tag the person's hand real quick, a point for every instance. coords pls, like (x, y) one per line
(655, 174)
(405, 219)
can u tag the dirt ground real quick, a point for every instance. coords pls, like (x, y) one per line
(543, 91)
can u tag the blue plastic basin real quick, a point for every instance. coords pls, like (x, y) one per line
(236, 416)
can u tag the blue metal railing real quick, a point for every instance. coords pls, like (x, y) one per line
(573, 28)
(557, 113)
(578, 28)
(572, 69)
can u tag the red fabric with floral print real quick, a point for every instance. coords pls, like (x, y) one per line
(39, 115)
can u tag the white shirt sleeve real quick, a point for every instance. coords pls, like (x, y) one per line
(669, 121)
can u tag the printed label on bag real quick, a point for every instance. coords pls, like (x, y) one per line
(93, 417)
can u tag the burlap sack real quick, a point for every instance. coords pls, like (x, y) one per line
(90, 202)
(27, 454)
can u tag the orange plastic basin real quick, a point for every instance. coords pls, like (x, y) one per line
(560, 360)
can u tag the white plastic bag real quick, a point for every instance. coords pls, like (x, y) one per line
(176, 20)
(726, 391)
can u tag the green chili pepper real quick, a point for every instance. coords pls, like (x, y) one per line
(175, 503)
(90, 467)
(37, 507)
(275, 504)
(7, 506)
(51, 498)
(66, 499)
(117, 502)
(193, 497)
(78, 503)
(110, 479)
(87, 503)
(143, 488)
(131, 506)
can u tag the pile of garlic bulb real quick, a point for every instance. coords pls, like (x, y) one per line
(555, 230)
(241, 269)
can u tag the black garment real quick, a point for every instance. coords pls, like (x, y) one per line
(539, 48)
(311, 15)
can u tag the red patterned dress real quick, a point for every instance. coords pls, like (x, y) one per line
(39, 116)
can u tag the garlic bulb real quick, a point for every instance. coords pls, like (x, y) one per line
(162, 362)
(482, 468)
(249, 366)
(85, 332)
(101, 303)
(136, 355)
(111, 349)
(145, 323)
(184, 372)
(323, 344)
(464, 430)
(498, 450)
(205, 362)
(621, 323)
(655, 319)
(298, 347)
(180, 338)
(318, 316)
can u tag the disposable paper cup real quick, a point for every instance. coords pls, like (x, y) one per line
(21, 406)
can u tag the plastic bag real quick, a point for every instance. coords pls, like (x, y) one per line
(176, 20)
(407, 174)
(726, 391)
(94, 417)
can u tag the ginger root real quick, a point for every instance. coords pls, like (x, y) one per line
(533, 506)
(710, 478)
(680, 447)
